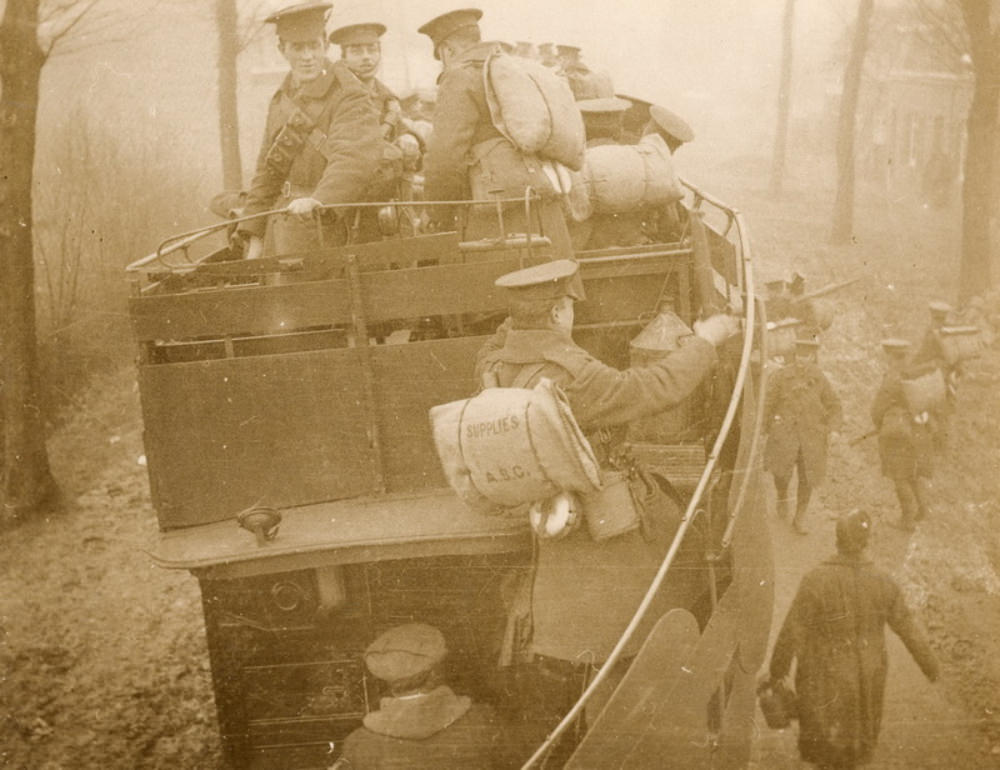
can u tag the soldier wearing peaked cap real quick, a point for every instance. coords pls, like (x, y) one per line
(422, 723)
(402, 149)
(321, 139)
(584, 592)
(467, 156)
(801, 411)
(835, 630)
(671, 126)
(905, 439)
(603, 119)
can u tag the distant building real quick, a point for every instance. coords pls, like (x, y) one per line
(911, 133)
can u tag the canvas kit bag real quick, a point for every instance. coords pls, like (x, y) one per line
(535, 109)
(960, 343)
(622, 177)
(509, 446)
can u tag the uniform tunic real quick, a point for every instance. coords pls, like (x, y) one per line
(353, 144)
(468, 158)
(585, 592)
(800, 410)
(431, 730)
(835, 629)
(905, 445)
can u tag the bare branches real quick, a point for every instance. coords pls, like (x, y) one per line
(941, 27)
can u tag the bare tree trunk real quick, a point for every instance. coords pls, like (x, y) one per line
(27, 480)
(229, 130)
(978, 192)
(784, 99)
(843, 207)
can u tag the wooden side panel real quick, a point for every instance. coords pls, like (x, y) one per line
(724, 257)
(410, 380)
(388, 295)
(284, 430)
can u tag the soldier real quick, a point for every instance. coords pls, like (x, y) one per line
(932, 351)
(801, 411)
(905, 440)
(402, 148)
(467, 157)
(585, 592)
(835, 629)
(584, 82)
(422, 723)
(674, 130)
(603, 119)
(321, 141)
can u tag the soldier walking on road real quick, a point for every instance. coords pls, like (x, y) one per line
(835, 630)
(905, 440)
(800, 413)
(321, 142)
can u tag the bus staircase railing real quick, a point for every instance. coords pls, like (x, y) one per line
(753, 315)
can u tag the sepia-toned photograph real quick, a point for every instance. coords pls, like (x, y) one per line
(392, 384)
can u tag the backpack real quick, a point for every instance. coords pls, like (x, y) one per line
(535, 109)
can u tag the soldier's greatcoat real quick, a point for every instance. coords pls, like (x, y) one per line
(835, 629)
(585, 592)
(351, 150)
(468, 158)
(800, 410)
(437, 729)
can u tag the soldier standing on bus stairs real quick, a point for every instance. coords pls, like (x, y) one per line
(904, 440)
(467, 157)
(422, 724)
(835, 630)
(931, 350)
(801, 411)
(585, 592)
(361, 49)
(321, 141)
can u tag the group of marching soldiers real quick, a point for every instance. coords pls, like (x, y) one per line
(910, 410)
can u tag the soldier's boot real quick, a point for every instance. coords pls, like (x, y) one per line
(907, 505)
(781, 492)
(801, 506)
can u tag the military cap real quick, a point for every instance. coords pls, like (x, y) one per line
(635, 100)
(571, 52)
(609, 104)
(357, 34)
(549, 280)
(440, 28)
(853, 531)
(405, 651)
(547, 49)
(939, 307)
(301, 21)
(895, 346)
(671, 123)
(807, 344)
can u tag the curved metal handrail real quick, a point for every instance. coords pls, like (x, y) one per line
(693, 505)
(185, 239)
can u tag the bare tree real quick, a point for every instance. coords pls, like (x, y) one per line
(226, 20)
(843, 207)
(978, 191)
(27, 480)
(784, 98)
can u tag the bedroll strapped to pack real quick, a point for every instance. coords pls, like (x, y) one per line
(508, 446)
(622, 177)
(535, 109)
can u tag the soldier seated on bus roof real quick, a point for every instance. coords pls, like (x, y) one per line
(422, 723)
